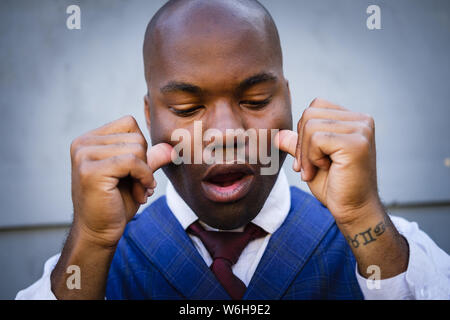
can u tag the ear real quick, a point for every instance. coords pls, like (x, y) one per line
(147, 112)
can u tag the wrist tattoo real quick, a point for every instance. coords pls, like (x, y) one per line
(367, 236)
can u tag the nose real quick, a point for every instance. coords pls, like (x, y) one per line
(227, 119)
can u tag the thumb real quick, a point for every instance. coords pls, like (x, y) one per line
(286, 140)
(159, 155)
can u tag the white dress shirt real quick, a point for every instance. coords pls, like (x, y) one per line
(427, 275)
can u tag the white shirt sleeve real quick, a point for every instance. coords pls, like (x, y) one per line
(41, 289)
(427, 275)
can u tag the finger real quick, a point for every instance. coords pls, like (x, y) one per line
(100, 152)
(121, 166)
(325, 125)
(159, 155)
(298, 151)
(324, 104)
(334, 114)
(323, 109)
(317, 104)
(332, 144)
(317, 154)
(298, 147)
(139, 192)
(286, 140)
(115, 138)
(125, 124)
(338, 115)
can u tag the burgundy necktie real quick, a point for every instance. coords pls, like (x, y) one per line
(225, 249)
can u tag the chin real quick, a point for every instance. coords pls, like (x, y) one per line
(228, 216)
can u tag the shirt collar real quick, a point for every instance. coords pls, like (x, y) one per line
(270, 218)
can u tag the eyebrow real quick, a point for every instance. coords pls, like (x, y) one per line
(174, 86)
(256, 79)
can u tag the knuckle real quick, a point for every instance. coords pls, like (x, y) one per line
(73, 148)
(141, 140)
(84, 173)
(371, 123)
(75, 145)
(328, 121)
(131, 159)
(366, 130)
(139, 150)
(316, 137)
(362, 144)
(315, 101)
(368, 119)
(329, 134)
(311, 124)
(299, 123)
(308, 113)
(130, 121)
(79, 155)
(78, 144)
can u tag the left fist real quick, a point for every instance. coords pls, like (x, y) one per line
(335, 151)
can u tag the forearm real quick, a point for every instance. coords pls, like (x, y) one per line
(374, 240)
(93, 260)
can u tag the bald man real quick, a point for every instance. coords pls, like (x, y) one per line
(225, 230)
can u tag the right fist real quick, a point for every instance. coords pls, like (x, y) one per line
(112, 175)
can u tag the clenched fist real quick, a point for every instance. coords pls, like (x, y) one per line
(335, 151)
(112, 175)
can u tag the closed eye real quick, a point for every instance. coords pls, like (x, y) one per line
(186, 112)
(255, 104)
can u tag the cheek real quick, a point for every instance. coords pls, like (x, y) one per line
(168, 129)
(281, 117)
(277, 116)
(160, 133)
(162, 125)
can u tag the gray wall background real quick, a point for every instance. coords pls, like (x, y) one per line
(56, 83)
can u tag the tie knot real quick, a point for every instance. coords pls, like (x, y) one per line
(225, 244)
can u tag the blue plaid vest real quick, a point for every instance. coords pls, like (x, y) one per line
(306, 258)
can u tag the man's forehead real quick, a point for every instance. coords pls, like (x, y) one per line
(202, 59)
(208, 37)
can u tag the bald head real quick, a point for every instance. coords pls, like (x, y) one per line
(217, 62)
(218, 22)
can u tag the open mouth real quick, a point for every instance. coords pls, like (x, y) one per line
(227, 183)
